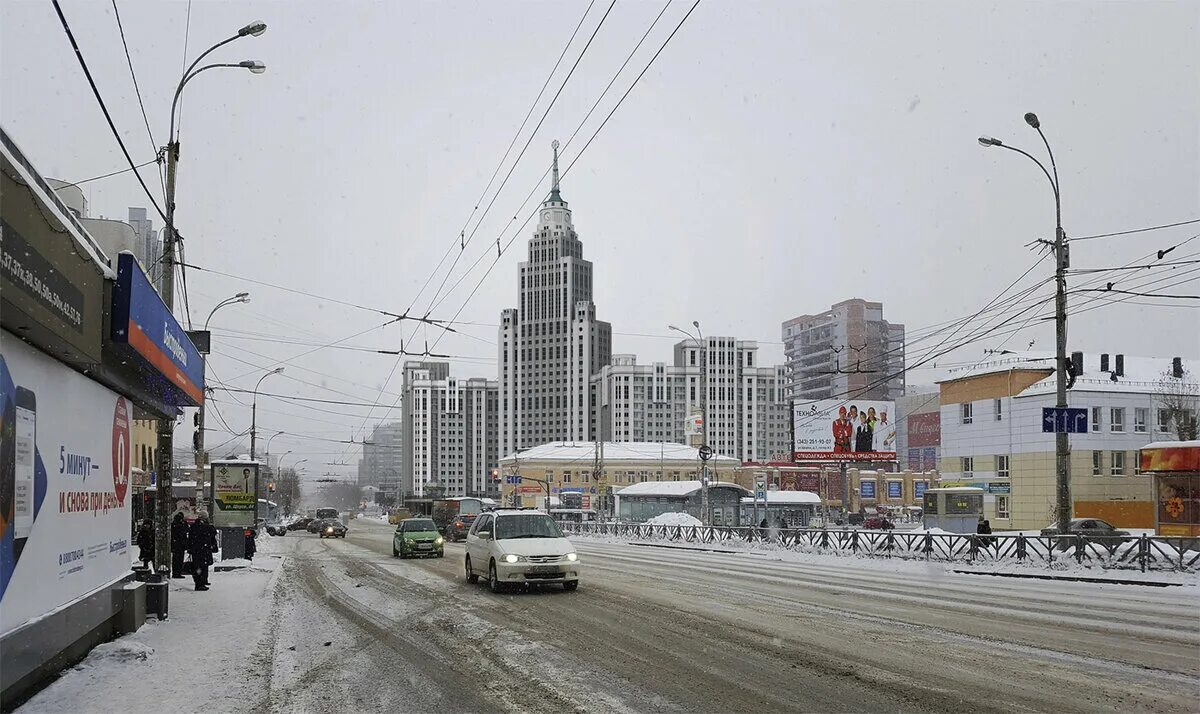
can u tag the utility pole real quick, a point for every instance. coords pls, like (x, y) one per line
(1063, 369)
(164, 497)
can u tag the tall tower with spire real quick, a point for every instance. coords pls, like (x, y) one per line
(551, 343)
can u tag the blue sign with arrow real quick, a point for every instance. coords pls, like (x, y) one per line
(1071, 420)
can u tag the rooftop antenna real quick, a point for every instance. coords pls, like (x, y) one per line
(554, 185)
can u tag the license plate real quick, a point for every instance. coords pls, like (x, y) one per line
(424, 546)
(543, 569)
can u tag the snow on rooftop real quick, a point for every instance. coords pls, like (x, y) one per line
(1141, 374)
(787, 498)
(678, 489)
(584, 451)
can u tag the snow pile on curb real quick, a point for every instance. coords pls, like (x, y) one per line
(674, 519)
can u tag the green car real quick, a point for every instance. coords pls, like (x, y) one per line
(417, 538)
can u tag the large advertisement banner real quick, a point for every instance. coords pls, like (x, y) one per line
(235, 494)
(924, 429)
(835, 430)
(64, 484)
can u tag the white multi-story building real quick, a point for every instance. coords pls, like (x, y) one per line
(552, 343)
(450, 432)
(992, 436)
(746, 406)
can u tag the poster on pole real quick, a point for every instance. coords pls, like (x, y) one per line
(235, 493)
(839, 430)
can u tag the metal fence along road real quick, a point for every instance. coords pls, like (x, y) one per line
(1123, 552)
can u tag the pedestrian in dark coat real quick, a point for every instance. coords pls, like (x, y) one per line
(179, 544)
(202, 543)
(251, 535)
(145, 543)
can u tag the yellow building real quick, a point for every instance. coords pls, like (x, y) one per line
(566, 467)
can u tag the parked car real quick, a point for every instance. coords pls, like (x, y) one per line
(878, 523)
(457, 529)
(517, 547)
(276, 528)
(314, 526)
(300, 524)
(330, 528)
(1087, 527)
(417, 538)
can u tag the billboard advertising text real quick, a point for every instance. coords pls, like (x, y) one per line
(235, 489)
(835, 430)
(924, 429)
(64, 484)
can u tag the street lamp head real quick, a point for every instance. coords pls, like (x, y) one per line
(989, 141)
(672, 327)
(244, 297)
(254, 66)
(277, 370)
(1032, 120)
(696, 324)
(255, 28)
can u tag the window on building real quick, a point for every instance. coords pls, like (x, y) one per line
(968, 466)
(1117, 419)
(1095, 418)
(1140, 416)
(967, 413)
(1117, 466)
(1002, 465)
(1163, 423)
(1097, 462)
(1002, 508)
(998, 409)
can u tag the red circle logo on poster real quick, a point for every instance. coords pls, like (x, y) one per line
(120, 449)
(1175, 507)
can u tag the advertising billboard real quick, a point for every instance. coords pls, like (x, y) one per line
(234, 489)
(141, 320)
(64, 484)
(895, 490)
(924, 429)
(836, 430)
(866, 489)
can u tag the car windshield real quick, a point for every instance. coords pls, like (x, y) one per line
(418, 526)
(532, 525)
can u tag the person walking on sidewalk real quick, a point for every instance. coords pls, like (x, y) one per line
(202, 543)
(145, 543)
(179, 544)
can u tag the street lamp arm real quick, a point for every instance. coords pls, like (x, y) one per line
(1034, 159)
(1053, 166)
(179, 90)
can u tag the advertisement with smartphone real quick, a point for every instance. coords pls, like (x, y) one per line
(64, 484)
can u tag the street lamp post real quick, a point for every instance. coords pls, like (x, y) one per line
(254, 411)
(199, 455)
(705, 513)
(166, 426)
(1062, 448)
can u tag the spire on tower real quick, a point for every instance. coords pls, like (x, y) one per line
(554, 196)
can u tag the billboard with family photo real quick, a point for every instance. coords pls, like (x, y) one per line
(839, 430)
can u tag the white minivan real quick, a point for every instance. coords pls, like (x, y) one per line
(517, 546)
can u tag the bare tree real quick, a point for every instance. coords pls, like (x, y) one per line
(1180, 398)
(287, 491)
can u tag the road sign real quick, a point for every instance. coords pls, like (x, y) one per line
(760, 491)
(1071, 420)
(705, 452)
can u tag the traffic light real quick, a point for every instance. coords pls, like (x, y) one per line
(495, 474)
(271, 486)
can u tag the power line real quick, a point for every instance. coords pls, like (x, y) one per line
(1136, 294)
(294, 398)
(137, 90)
(1137, 230)
(107, 116)
(500, 164)
(112, 173)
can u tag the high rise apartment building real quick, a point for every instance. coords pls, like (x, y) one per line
(745, 407)
(380, 465)
(552, 343)
(847, 351)
(450, 432)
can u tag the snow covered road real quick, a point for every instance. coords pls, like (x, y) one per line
(346, 627)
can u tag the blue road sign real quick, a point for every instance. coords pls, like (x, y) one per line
(1071, 420)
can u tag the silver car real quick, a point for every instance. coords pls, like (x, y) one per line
(519, 547)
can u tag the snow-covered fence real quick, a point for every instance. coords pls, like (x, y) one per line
(1143, 552)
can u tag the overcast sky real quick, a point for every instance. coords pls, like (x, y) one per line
(777, 157)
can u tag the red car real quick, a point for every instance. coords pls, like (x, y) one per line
(878, 523)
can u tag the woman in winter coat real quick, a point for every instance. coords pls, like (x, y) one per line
(202, 543)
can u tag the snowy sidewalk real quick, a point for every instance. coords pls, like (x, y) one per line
(196, 660)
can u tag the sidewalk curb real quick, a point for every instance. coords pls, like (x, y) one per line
(1072, 578)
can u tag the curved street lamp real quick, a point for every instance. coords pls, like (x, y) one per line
(254, 409)
(1061, 443)
(239, 298)
(706, 516)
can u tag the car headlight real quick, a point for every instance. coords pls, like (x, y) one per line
(328, 530)
(572, 557)
(439, 540)
(511, 558)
